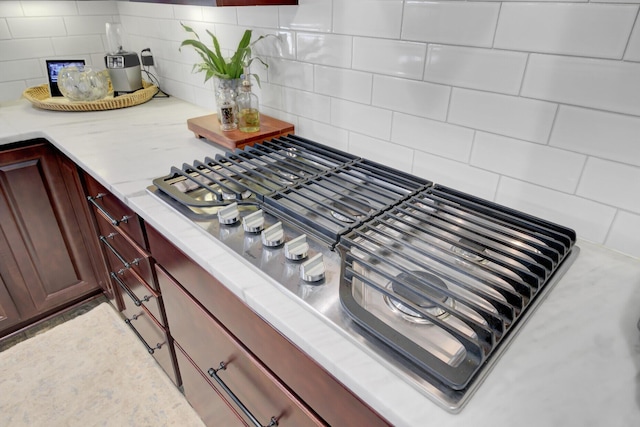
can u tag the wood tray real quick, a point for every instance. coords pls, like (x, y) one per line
(208, 127)
(39, 96)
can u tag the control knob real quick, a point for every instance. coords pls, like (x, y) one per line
(273, 236)
(296, 249)
(254, 222)
(313, 269)
(229, 214)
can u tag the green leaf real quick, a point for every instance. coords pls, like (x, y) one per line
(214, 64)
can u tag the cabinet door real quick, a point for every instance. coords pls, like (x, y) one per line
(9, 314)
(50, 263)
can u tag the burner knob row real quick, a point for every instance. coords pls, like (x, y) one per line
(312, 270)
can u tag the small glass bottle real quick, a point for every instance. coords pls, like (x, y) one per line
(248, 111)
(227, 110)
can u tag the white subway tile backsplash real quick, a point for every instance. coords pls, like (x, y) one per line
(5, 34)
(612, 183)
(298, 75)
(220, 15)
(394, 57)
(20, 70)
(11, 90)
(381, 151)
(413, 97)
(283, 45)
(309, 15)
(148, 10)
(458, 23)
(36, 27)
(307, 104)
(97, 7)
(49, 8)
(598, 83)
(77, 45)
(596, 30)
(25, 49)
(606, 135)
(272, 96)
(624, 235)
(521, 118)
(258, 16)
(475, 68)
(633, 48)
(375, 18)
(77, 25)
(546, 166)
(187, 12)
(323, 133)
(454, 174)
(324, 49)
(361, 118)
(151, 28)
(340, 83)
(590, 220)
(11, 8)
(442, 139)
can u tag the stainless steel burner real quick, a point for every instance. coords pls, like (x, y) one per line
(232, 191)
(471, 256)
(353, 207)
(409, 287)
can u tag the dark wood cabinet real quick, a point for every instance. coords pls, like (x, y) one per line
(133, 284)
(233, 371)
(199, 309)
(47, 258)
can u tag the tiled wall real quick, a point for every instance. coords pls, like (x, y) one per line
(32, 31)
(534, 105)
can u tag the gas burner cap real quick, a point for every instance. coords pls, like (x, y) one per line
(232, 191)
(425, 301)
(351, 206)
(471, 256)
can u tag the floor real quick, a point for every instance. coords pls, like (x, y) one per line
(57, 319)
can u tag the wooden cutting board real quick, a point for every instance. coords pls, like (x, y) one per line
(208, 127)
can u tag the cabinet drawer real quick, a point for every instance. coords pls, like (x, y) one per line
(203, 396)
(212, 347)
(124, 254)
(152, 335)
(132, 287)
(112, 210)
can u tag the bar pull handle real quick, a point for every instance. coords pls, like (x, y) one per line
(112, 220)
(213, 373)
(125, 288)
(150, 349)
(124, 262)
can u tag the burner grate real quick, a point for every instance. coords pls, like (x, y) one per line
(332, 203)
(491, 262)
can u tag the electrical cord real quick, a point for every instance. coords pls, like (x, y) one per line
(150, 76)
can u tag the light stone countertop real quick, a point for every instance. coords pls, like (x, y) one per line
(574, 363)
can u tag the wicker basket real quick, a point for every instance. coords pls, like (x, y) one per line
(39, 97)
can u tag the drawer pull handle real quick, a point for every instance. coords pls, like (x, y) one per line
(115, 222)
(137, 301)
(213, 373)
(125, 288)
(150, 349)
(124, 262)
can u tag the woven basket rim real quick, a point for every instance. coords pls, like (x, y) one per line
(39, 97)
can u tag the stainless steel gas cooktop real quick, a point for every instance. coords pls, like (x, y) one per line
(431, 281)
